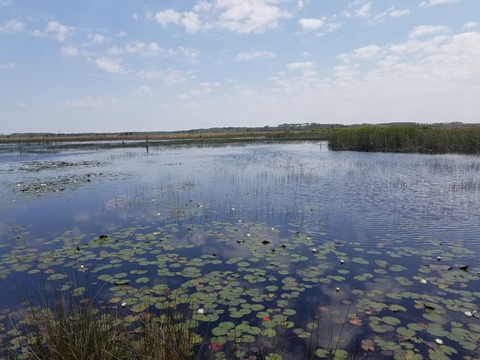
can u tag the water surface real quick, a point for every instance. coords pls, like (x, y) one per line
(373, 252)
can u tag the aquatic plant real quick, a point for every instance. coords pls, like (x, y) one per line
(407, 139)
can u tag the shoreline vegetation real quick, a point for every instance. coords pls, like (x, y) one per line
(74, 326)
(396, 137)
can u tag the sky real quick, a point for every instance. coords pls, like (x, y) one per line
(116, 65)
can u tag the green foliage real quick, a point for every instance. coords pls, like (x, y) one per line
(407, 139)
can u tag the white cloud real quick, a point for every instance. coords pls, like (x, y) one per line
(191, 22)
(168, 16)
(470, 25)
(430, 3)
(364, 10)
(12, 26)
(137, 48)
(360, 9)
(202, 6)
(300, 4)
(187, 53)
(4, 3)
(58, 31)
(306, 67)
(398, 13)
(423, 30)
(367, 53)
(312, 23)
(70, 51)
(109, 65)
(169, 77)
(248, 16)
(247, 56)
(98, 38)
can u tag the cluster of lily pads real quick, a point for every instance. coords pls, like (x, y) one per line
(254, 286)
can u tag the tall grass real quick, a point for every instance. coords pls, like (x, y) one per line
(407, 139)
(75, 329)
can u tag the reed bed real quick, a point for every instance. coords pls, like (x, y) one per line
(407, 139)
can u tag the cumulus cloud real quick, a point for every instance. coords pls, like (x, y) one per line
(250, 55)
(364, 10)
(191, 21)
(98, 38)
(470, 25)
(249, 16)
(169, 77)
(429, 3)
(70, 51)
(366, 53)
(312, 23)
(56, 30)
(136, 48)
(358, 9)
(110, 65)
(398, 13)
(167, 17)
(423, 30)
(307, 68)
(12, 26)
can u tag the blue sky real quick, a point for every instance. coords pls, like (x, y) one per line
(108, 66)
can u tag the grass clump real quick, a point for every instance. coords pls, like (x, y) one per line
(74, 328)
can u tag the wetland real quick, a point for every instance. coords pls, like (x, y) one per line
(276, 250)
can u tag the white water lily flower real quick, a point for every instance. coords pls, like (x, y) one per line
(201, 311)
(423, 281)
(468, 313)
(314, 250)
(124, 304)
(439, 341)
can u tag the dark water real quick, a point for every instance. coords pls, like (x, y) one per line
(368, 252)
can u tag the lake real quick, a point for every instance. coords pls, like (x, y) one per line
(281, 247)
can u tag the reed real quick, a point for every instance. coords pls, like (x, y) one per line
(407, 139)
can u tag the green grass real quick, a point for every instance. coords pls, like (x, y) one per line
(464, 139)
(72, 328)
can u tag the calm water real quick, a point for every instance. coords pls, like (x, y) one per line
(360, 251)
